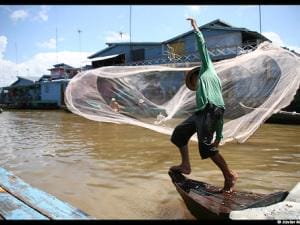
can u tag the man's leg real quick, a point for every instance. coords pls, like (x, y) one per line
(229, 175)
(180, 137)
(185, 166)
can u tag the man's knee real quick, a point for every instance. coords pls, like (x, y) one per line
(207, 150)
(178, 138)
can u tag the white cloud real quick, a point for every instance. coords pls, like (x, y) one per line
(5, 8)
(39, 65)
(194, 8)
(3, 44)
(276, 39)
(112, 36)
(193, 11)
(43, 14)
(50, 44)
(7, 68)
(19, 15)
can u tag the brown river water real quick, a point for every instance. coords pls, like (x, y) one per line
(116, 171)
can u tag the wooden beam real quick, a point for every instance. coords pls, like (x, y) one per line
(41, 201)
(12, 208)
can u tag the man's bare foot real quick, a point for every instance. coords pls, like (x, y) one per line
(230, 182)
(181, 169)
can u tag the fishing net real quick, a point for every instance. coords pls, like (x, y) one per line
(255, 86)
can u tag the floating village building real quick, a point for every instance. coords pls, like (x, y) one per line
(46, 92)
(223, 41)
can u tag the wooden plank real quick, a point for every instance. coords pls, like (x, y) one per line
(41, 201)
(12, 208)
(269, 200)
(234, 201)
(211, 203)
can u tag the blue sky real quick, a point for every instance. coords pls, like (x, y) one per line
(29, 44)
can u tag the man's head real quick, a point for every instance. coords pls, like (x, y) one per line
(191, 78)
(141, 101)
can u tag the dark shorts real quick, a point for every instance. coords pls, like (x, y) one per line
(203, 122)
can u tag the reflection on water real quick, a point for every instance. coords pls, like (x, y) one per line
(120, 172)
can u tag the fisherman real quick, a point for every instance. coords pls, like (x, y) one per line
(115, 105)
(207, 119)
(159, 118)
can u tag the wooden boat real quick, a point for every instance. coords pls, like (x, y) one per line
(285, 118)
(205, 201)
(19, 201)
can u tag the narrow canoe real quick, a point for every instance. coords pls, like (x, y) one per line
(205, 201)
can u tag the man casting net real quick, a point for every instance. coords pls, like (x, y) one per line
(254, 86)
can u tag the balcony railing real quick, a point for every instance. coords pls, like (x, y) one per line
(218, 53)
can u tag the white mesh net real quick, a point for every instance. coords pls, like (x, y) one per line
(255, 86)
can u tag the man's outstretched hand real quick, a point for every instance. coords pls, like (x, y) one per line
(193, 22)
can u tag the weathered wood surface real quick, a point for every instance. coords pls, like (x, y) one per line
(43, 203)
(12, 208)
(206, 201)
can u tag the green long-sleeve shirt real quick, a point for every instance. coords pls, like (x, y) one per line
(209, 88)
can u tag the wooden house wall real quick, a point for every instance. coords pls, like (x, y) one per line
(51, 91)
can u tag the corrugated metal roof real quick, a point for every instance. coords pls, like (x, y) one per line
(62, 64)
(30, 78)
(133, 43)
(215, 25)
(102, 58)
(112, 45)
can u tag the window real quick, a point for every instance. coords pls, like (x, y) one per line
(178, 47)
(138, 54)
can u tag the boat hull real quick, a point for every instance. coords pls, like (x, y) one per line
(206, 201)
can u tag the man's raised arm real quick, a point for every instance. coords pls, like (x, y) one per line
(194, 24)
(201, 44)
